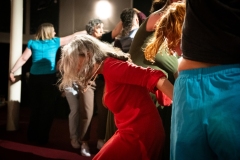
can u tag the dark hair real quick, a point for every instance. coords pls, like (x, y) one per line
(126, 17)
(91, 25)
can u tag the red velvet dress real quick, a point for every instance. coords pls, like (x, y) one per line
(140, 134)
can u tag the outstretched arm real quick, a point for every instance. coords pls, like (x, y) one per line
(67, 39)
(20, 62)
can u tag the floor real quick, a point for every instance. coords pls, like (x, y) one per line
(14, 143)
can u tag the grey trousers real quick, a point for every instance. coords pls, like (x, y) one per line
(87, 99)
(86, 110)
(82, 108)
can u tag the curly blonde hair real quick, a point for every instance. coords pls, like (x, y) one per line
(91, 51)
(168, 27)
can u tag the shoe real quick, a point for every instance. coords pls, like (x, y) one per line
(100, 144)
(85, 150)
(75, 144)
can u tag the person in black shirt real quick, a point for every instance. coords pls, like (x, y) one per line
(205, 115)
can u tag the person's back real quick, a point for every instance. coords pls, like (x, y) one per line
(42, 80)
(163, 61)
(216, 34)
(44, 55)
(124, 43)
(208, 83)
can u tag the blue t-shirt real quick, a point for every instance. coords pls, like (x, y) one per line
(44, 55)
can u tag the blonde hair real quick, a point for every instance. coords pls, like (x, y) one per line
(45, 31)
(169, 26)
(92, 51)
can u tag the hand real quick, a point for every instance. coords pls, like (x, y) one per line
(11, 77)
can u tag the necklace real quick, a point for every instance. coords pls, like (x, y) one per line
(94, 76)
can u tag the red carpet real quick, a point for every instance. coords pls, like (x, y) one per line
(40, 151)
(14, 144)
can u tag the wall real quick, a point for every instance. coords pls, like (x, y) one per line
(75, 14)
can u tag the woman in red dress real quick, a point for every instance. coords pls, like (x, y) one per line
(140, 133)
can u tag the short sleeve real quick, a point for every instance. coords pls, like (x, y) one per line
(29, 44)
(57, 40)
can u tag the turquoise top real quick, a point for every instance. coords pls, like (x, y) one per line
(44, 55)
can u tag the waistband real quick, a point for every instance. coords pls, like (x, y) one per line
(221, 69)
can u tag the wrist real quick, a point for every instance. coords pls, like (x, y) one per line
(11, 72)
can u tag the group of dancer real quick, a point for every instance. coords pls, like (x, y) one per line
(184, 56)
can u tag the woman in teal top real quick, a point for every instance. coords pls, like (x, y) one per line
(42, 79)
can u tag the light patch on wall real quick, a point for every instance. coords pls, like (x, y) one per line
(103, 9)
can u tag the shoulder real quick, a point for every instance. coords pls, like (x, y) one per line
(29, 44)
(112, 63)
(56, 39)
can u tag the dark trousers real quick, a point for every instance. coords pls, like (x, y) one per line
(43, 94)
(101, 110)
(166, 113)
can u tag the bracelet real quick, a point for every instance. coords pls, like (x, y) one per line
(11, 72)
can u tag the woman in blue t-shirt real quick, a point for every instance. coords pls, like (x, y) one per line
(43, 92)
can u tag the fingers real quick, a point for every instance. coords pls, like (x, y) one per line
(11, 77)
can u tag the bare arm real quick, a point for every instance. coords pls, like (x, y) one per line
(165, 86)
(20, 62)
(67, 39)
(117, 30)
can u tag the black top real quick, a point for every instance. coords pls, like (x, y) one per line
(107, 37)
(211, 31)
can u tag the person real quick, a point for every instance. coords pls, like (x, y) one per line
(73, 99)
(168, 32)
(205, 115)
(144, 33)
(163, 61)
(126, 94)
(78, 116)
(130, 23)
(94, 28)
(42, 78)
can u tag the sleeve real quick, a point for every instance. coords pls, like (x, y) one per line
(162, 99)
(57, 40)
(141, 17)
(29, 44)
(107, 37)
(118, 71)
